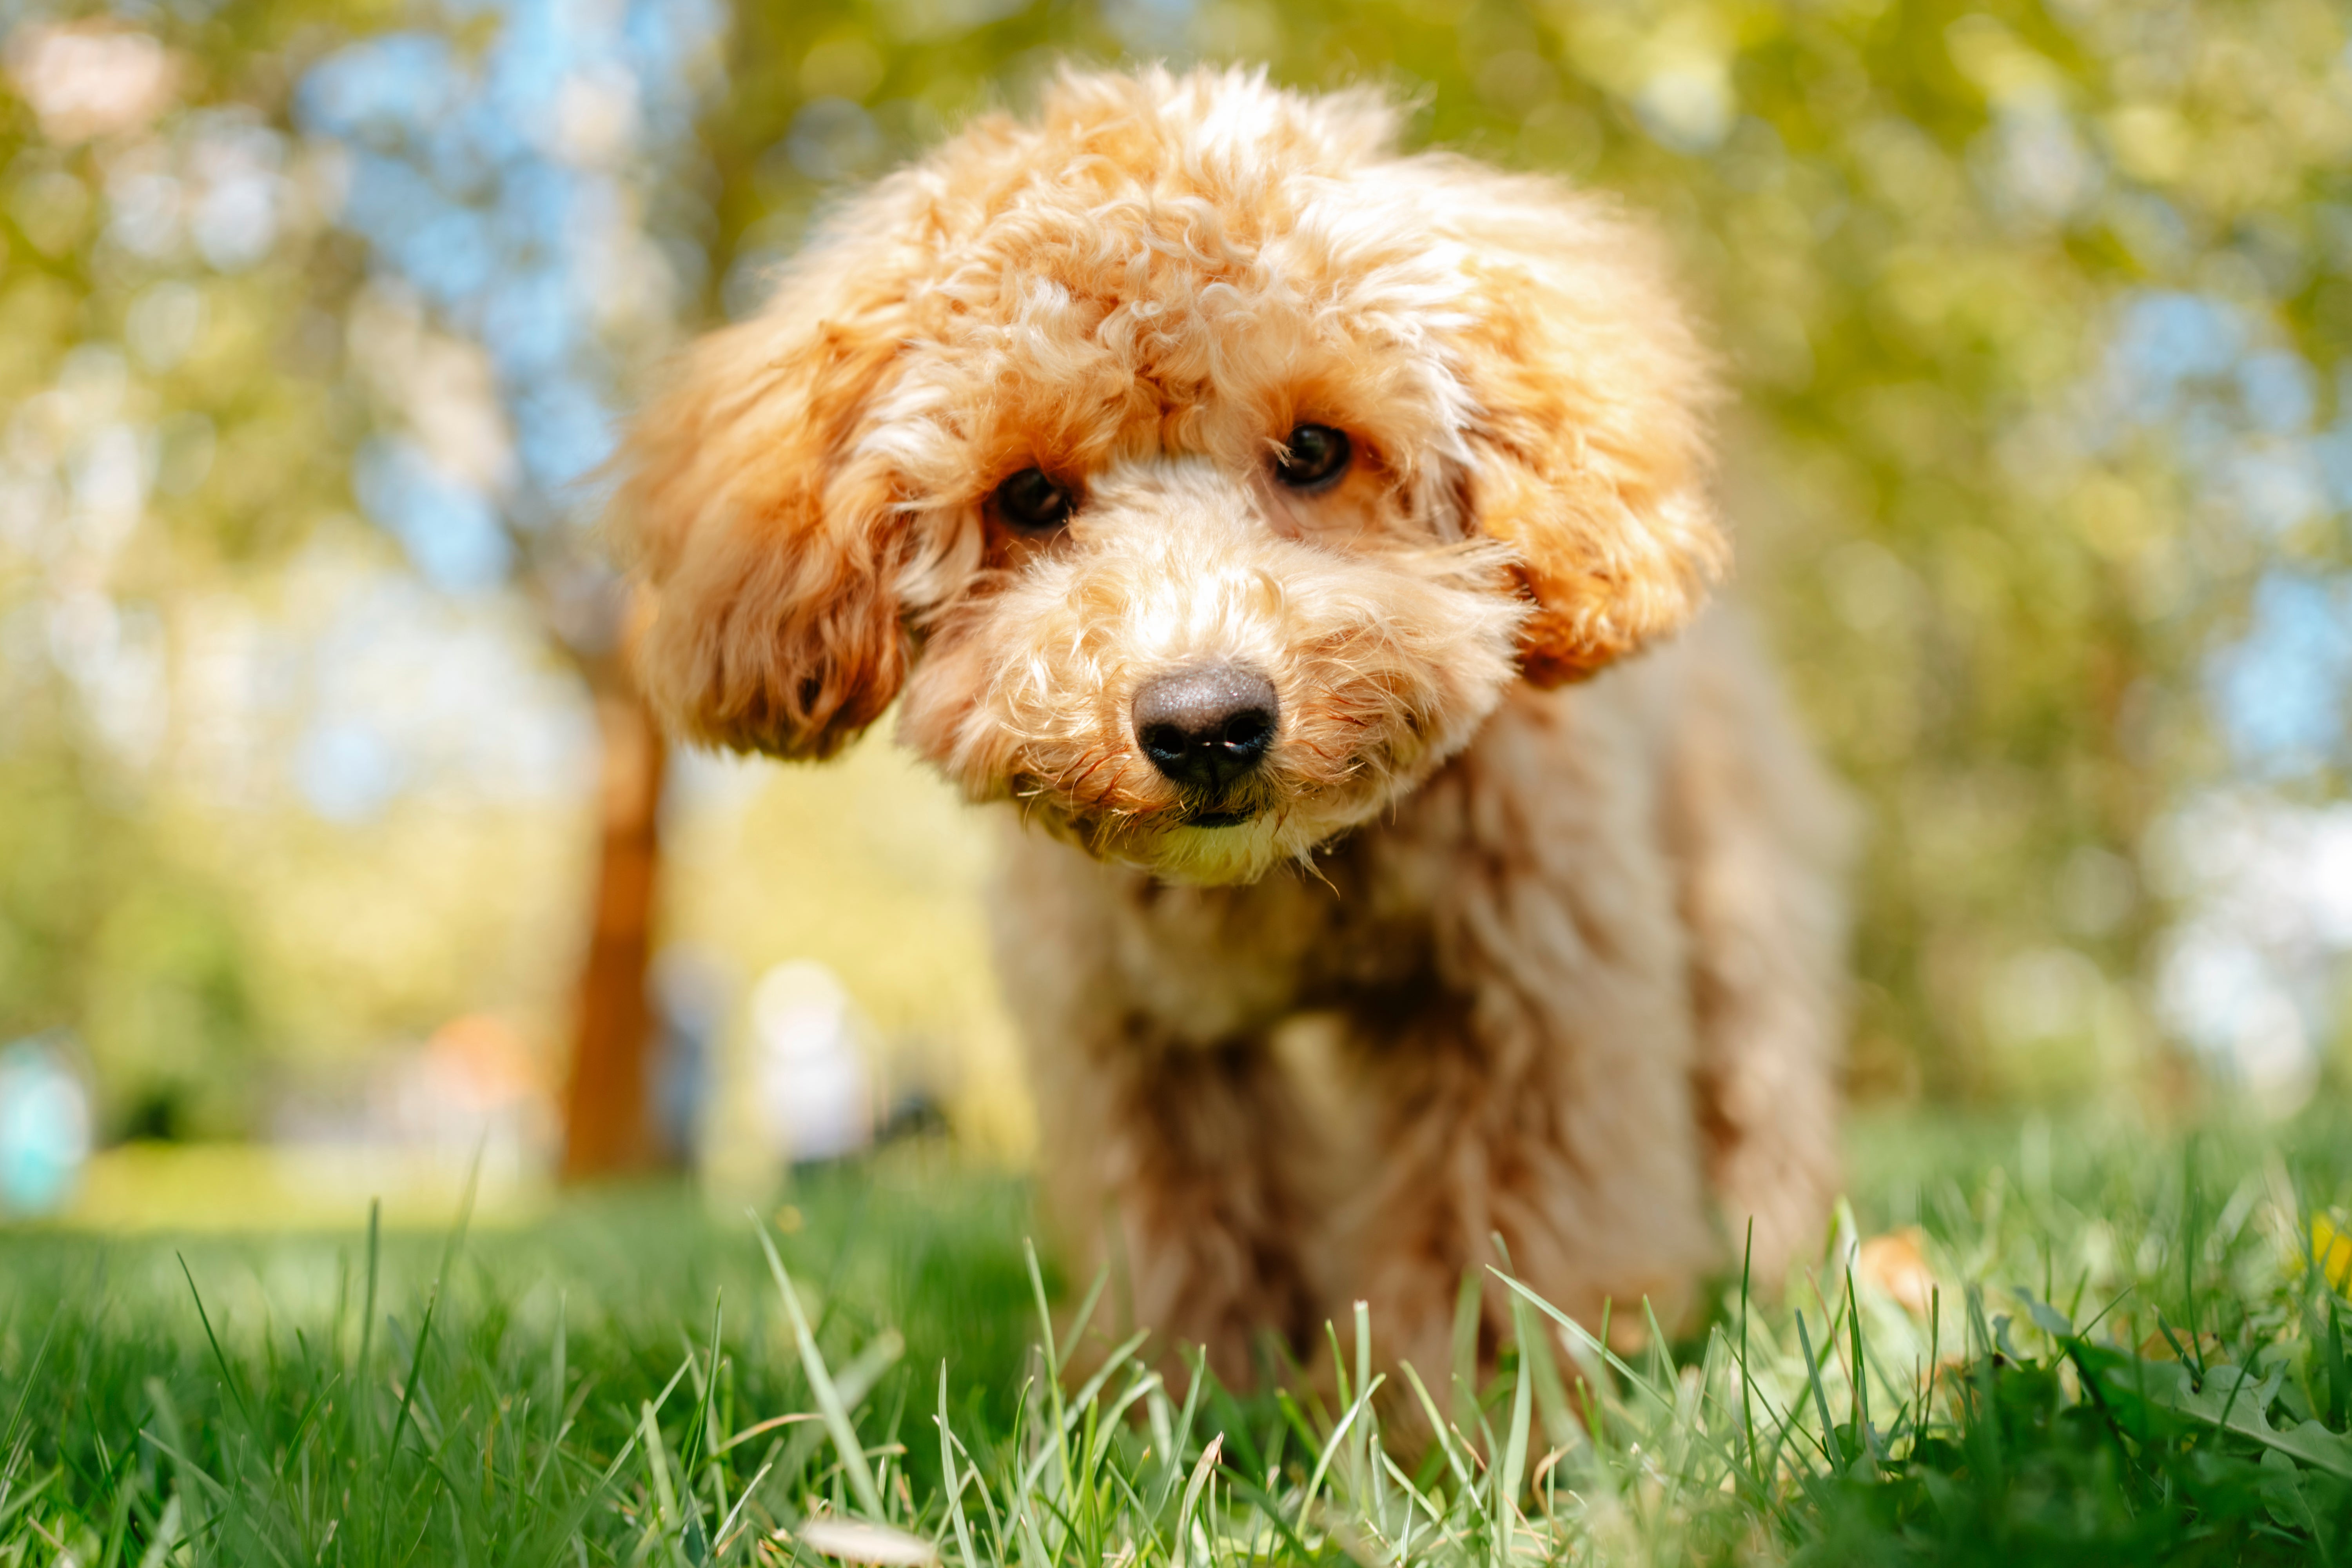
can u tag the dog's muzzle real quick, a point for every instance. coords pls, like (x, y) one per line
(1206, 728)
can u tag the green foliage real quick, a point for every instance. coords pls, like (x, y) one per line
(173, 429)
(189, 370)
(2125, 1360)
(1997, 564)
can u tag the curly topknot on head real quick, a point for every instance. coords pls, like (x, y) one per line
(1231, 131)
(1160, 271)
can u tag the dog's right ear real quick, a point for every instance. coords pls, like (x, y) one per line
(1592, 452)
(765, 554)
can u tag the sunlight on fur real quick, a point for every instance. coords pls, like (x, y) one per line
(1261, 512)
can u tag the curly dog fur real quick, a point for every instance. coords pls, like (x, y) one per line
(1499, 935)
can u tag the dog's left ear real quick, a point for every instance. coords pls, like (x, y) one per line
(1591, 447)
(767, 556)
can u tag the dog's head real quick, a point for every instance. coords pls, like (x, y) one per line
(1196, 470)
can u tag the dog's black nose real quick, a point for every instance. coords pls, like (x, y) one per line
(1206, 726)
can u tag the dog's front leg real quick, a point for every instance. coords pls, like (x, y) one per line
(1185, 1169)
(1567, 1134)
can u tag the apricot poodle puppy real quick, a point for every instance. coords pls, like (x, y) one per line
(1270, 518)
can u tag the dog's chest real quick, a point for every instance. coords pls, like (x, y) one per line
(1076, 938)
(1212, 964)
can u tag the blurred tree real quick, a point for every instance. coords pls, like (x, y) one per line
(276, 259)
(167, 367)
(514, 179)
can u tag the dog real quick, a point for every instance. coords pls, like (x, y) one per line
(1307, 540)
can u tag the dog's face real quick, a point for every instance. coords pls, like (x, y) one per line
(1195, 470)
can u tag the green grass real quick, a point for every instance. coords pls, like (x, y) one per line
(2125, 1362)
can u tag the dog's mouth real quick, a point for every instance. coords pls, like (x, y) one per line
(1202, 818)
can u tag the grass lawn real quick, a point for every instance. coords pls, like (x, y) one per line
(2116, 1350)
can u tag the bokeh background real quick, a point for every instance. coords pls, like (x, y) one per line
(328, 821)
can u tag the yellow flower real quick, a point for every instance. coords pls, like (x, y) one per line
(2331, 1248)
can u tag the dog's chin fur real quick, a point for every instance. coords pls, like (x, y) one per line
(1384, 657)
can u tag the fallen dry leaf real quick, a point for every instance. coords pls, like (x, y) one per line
(855, 1541)
(1897, 1264)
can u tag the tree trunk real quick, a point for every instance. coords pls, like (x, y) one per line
(606, 1128)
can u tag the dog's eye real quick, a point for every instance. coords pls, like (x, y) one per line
(1033, 503)
(1314, 457)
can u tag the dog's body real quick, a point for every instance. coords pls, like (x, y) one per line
(1580, 984)
(1266, 513)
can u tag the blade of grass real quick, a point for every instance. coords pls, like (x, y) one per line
(1597, 1344)
(949, 1482)
(363, 1400)
(1202, 1469)
(1180, 1434)
(706, 1389)
(726, 1532)
(220, 1359)
(556, 1378)
(1085, 1315)
(1747, 1377)
(1466, 1484)
(41, 1355)
(828, 1400)
(433, 1301)
(1512, 1474)
(1331, 1446)
(1829, 1445)
(1463, 1370)
(1059, 1444)
(666, 1523)
(1084, 1398)
(1862, 1429)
